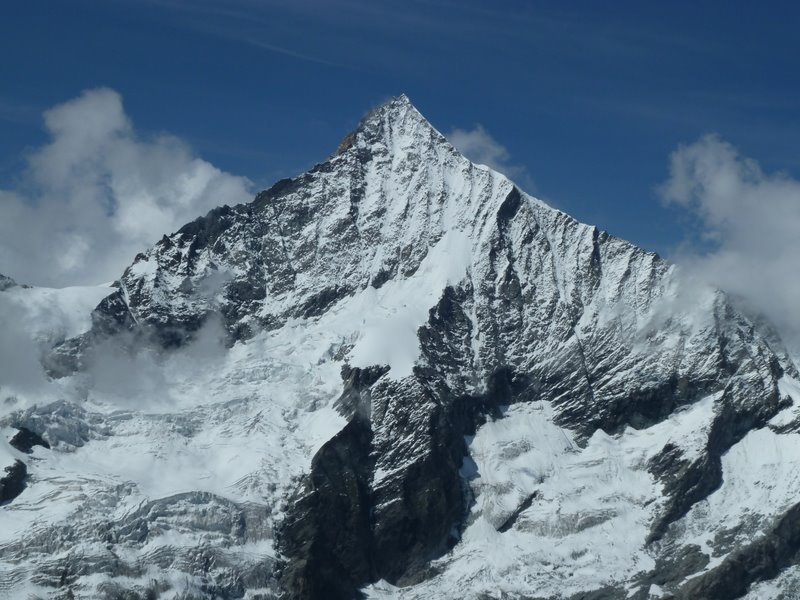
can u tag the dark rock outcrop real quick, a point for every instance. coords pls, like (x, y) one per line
(25, 439)
(13, 483)
(350, 524)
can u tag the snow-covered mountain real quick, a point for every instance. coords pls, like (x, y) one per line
(399, 376)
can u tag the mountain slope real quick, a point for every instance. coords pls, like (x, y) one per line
(399, 373)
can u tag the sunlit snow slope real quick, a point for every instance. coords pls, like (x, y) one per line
(401, 376)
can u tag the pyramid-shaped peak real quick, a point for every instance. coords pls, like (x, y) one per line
(387, 120)
(399, 101)
(394, 109)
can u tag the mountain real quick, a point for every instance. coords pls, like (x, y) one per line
(400, 376)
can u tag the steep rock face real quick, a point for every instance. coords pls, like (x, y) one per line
(437, 386)
(13, 482)
(24, 441)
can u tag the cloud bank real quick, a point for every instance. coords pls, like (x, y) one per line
(750, 224)
(97, 194)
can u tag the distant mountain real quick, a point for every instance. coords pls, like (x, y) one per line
(400, 376)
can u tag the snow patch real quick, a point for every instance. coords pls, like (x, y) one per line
(386, 320)
(761, 476)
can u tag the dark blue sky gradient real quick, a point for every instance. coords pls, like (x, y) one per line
(591, 97)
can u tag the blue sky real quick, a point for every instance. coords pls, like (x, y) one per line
(588, 98)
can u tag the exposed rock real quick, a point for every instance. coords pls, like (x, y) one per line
(509, 523)
(25, 439)
(758, 561)
(13, 483)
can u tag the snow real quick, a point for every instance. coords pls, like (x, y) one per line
(655, 591)
(143, 268)
(788, 386)
(386, 320)
(242, 424)
(57, 313)
(761, 476)
(588, 521)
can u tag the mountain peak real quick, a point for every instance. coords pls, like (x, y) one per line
(401, 100)
(397, 115)
(395, 105)
(397, 108)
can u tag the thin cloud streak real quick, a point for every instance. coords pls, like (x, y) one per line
(239, 25)
(290, 52)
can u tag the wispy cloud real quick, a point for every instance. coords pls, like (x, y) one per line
(96, 194)
(130, 373)
(480, 147)
(749, 228)
(251, 24)
(288, 52)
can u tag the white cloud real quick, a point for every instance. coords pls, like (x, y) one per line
(20, 371)
(97, 194)
(129, 372)
(750, 219)
(480, 147)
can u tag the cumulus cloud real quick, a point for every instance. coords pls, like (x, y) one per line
(97, 194)
(750, 228)
(480, 147)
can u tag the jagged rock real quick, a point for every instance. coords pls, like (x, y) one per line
(25, 439)
(13, 483)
